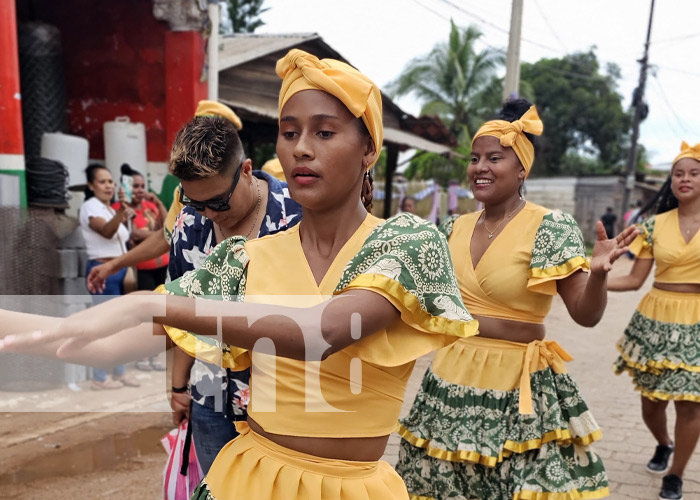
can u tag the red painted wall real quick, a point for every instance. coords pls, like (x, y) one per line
(11, 140)
(115, 61)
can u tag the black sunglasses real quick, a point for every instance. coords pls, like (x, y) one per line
(219, 204)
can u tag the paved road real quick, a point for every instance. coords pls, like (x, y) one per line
(626, 445)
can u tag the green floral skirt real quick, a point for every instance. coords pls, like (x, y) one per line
(496, 420)
(661, 346)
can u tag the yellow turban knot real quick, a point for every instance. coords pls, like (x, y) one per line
(213, 108)
(300, 70)
(274, 168)
(688, 152)
(512, 135)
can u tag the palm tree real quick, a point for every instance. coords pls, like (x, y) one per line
(452, 79)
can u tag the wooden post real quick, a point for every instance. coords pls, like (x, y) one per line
(391, 161)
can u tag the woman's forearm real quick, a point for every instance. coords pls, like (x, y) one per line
(592, 302)
(297, 333)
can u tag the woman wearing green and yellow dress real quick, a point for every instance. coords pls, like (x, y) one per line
(497, 416)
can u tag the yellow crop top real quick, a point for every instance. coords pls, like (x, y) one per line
(516, 277)
(661, 239)
(358, 391)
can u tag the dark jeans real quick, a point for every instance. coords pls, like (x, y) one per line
(113, 286)
(150, 279)
(211, 430)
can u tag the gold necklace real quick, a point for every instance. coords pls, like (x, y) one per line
(255, 217)
(491, 233)
(257, 209)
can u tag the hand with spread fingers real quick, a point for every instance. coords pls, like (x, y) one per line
(607, 251)
(86, 326)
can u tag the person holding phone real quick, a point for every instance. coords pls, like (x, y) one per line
(105, 238)
(149, 214)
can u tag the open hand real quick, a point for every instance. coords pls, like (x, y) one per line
(87, 326)
(607, 251)
(98, 276)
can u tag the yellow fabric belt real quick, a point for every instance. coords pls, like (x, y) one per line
(548, 350)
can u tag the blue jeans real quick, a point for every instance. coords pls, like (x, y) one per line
(113, 286)
(211, 430)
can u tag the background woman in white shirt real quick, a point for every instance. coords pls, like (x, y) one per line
(105, 238)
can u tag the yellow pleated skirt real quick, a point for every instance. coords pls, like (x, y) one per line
(252, 467)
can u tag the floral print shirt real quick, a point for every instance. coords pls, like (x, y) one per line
(193, 239)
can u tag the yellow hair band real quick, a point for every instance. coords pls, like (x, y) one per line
(512, 135)
(300, 70)
(213, 108)
(274, 168)
(688, 151)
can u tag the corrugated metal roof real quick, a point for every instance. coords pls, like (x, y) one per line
(241, 48)
(413, 141)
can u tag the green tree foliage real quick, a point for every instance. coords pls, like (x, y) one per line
(454, 81)
(440, 168)
(245, 14)
(450, 79)
(586, 129)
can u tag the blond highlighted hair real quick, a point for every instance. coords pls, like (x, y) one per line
(205, 147)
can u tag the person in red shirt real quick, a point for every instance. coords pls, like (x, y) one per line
(149, 213)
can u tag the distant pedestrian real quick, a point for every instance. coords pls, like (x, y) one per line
(408, 205)
(608, 219)
(660, 347)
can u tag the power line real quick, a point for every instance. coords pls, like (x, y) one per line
(496, 27)
(682, 71)
(431, 10)
(549, 25)
(676, 38)
(682, 125)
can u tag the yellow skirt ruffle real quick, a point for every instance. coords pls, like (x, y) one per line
(253, 467)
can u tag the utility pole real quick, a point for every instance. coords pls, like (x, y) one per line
(512, 81)
(640, 112)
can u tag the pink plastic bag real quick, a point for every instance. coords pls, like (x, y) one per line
(182, 471)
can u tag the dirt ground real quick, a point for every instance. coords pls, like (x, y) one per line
(28, 440)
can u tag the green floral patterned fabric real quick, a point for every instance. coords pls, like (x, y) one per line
(410, 251)
(663, 358)
(459, 418)
(558, 240)
(456, 418)
(572, 471)
(406, 249)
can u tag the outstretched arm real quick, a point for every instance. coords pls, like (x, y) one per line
(585, 297)
(150, 248)
(297, 333)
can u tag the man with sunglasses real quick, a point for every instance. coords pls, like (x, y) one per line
(222, 196)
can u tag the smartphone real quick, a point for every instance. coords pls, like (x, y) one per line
(128, 186)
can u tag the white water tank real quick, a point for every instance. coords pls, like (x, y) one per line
(71, 150)
(125, 142)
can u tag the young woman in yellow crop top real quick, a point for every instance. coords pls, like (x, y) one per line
(497, 416)
(660, 347)
(345, 301)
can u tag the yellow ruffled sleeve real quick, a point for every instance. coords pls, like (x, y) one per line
(558, 252)
(406, 260)
(643, 246)
(222, 277)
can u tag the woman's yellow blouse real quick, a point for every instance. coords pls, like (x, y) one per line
(516, 277)
(660, 238)
(359, 390)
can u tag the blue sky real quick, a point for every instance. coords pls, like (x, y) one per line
(381, 36)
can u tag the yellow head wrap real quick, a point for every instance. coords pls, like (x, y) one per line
(274, 168)
(300, 70)
(512, 135)
(213, 108)
(688, 152)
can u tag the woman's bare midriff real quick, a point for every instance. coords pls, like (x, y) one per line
(678, 287)
(513, 331)
(367, 449)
